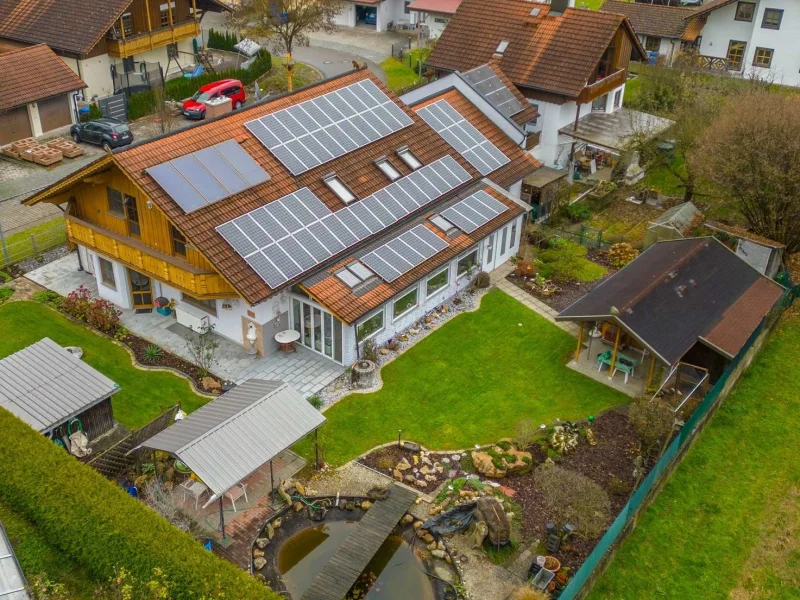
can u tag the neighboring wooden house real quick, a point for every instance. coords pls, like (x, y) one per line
(763, 254)
(349, 224)
(48, 387)
(37, 94)
(663, 30)
(103, 41)
(753, 38)
(692, 301)
(571, 64)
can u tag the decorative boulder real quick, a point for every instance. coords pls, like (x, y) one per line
(498, 462)
(407, 519)
(490, 511)
(563, 440)
(262, 543)
(300, 489)
(259, 563)
(403, 465)
(211, 385)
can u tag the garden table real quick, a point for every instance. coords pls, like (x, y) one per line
(286, 340)
(626, 364)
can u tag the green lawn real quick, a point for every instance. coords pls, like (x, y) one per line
(469, 383)
(38, 557)
(46, 235)
(399, 74)
(144, 394)
(727, 524)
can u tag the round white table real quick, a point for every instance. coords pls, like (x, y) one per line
(286, 340)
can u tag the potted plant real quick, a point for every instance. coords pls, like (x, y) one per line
(164, 306)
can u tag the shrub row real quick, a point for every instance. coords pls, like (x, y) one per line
(144, 103)
(222, 40)
(100, 527)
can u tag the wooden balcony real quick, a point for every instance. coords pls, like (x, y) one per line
(123, 48)
(603, 86)
(163, 267)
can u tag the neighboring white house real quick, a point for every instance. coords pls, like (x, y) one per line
(663, 30)
(434, 15)
(37, 94)
(377, 15)
(756, 38)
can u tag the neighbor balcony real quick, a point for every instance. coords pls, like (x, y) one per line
(603, 86)
(122, 46)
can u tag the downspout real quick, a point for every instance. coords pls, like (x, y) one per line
(355, 328)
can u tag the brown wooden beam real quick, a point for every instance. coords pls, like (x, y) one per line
(614, 353)
(651, 371)
(580, 342)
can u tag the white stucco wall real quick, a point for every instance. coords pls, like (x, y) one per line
(721, 27)
(394, 326)
(96, 73)
(347, 17)
(120, 293)
(435, 23)
(785, 67)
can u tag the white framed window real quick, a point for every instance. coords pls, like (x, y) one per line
(467, 263)
(107, 273)
(437, 282)
(370, 326)
(405, 303)
(388, 169)
(408, 157)
(341, 190)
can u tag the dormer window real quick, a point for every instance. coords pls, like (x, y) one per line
(408, 157)
(337, 187)
(501, 47)
(387, 169)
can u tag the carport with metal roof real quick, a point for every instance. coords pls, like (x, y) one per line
(232, 436)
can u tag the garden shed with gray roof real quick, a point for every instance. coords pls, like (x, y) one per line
(49, 386)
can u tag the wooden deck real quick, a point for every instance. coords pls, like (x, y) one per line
(352, 557)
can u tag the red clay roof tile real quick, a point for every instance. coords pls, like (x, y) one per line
(32, 74)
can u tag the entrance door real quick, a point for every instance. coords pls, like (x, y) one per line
(141, 291)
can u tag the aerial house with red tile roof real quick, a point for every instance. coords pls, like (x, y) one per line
(688, 301)
(336, 211)
(570, 63)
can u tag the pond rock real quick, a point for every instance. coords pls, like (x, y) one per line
(438, 554)
(397, 475)
(262, 543)
(297, 506)
(258, 553)
(444, 572)
(403, 465)
(409, 478)
(259, 563)
(365, 505)
(300, 488)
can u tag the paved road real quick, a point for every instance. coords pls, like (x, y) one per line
(333, 62)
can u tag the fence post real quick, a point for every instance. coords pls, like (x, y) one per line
(33, 244)
(6, 257)
(599, 239)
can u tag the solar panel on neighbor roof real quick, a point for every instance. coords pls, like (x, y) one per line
(401, 254)
(486, 82)
(207, 176)
(316, 131)
(474, 211)
(463, 136)
(297, 232)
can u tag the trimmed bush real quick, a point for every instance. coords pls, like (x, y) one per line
(578, 212)
(99, 526)
(222, 40)
(566, 261)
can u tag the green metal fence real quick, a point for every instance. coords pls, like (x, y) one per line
(584, 577)
(19, 247)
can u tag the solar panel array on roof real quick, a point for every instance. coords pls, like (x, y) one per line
(297, 232)
(486, 82)
(316, 131)
(463, 136)
(403, 253)
(474, 211)
(207, 176)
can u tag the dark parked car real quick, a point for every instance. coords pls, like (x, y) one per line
(108, 133)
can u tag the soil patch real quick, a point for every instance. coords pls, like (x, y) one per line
(385, 460)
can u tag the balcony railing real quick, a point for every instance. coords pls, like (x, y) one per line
(149, 40)
(603, 86)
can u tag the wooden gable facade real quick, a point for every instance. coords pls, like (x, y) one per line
(107, 213)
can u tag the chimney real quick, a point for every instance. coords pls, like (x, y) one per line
(557, 7)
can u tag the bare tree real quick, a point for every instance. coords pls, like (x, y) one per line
(286, 22)
(751, 152)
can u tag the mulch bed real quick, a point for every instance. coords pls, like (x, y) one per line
(384, 461)
(167, 359)
(571, 291)
(611, 460)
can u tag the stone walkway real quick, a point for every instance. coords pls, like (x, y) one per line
(536, 305)
(307, 371)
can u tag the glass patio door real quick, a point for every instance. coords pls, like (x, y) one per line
(141, 291)
(319, 330)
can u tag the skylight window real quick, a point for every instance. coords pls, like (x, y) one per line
(535, 12)
(501, 47)
(442, 223)
(408, 157)
(354, 274)
(340, 189)
(388, 169)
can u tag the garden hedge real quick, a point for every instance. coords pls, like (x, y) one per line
(222, 40)
(180, 88)
(98, 525)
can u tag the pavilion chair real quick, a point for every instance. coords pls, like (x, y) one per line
(236, 492)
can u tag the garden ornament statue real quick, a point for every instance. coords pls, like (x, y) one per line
(251, 338)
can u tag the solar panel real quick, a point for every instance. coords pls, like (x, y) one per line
(474, 211)
(316, 131)
(486, 82)
(463, 137)
(176, 186)
(295, 233)
(404, 252)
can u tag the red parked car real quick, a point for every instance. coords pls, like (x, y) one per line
(195, 108)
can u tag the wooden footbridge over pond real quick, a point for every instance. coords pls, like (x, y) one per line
(358, 548)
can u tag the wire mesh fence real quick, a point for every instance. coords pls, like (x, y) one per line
(30, 244)
(580, 585)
